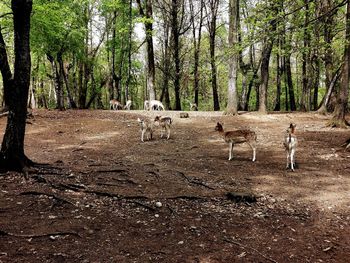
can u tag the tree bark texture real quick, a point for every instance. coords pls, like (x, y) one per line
(232, 103)
(12, 156)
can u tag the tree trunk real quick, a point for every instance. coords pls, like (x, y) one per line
(71, 101)
(176, 49)
(264, 75)
(12, 156)
(278, 83)
(166, 66)
(233, 60)
(343, 95)
(288, 72)
(150, 52)
(196, 45)
(306, 69)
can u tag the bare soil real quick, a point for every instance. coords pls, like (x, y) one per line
(96, 199)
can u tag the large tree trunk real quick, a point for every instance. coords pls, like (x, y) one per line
(212, 16)
(176, 49)
(288, 72)
(12, 156)
(264, 75)
(166, 66)
(343, 94)
(278, 83)
(150, 52)
(233, 60)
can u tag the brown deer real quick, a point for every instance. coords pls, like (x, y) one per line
(238, 137)
(165, 123)
(115, 105)
(146, 128)
(290, 144)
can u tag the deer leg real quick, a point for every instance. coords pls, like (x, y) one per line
(168, 128)
(230, 151)
(287, 166)
(292, 160)
(254, 151)
(142, 134)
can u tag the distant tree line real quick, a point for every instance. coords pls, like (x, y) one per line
(272, 54)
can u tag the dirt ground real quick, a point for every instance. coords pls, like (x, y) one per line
(107, 197)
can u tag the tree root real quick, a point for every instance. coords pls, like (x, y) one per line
(63, 200)
(4, 233)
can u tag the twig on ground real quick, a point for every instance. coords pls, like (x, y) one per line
(251, 248)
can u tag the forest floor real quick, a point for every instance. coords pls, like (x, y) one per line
(98, 198)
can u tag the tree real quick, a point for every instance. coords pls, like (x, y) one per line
(148, 18)
(266, 54)
(16, 87)
(196, 46)
(233, 60)
(343, 94)
(211, 25)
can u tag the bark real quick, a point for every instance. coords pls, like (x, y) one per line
(176, 49)
(150, 52)
(166, 64)
(62, 72)
(343, 94)
(306, 70)
(233, 59)
(58, 81)
(288, 72)
(212, 16)
(12, 156)
(278, 83)
(264, 75)
(128, 79)
(196, 44)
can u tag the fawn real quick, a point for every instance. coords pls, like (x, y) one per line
(115, 105)
(290, 144)
(128, 105)
(165, 123)
(146, 127)
(237, 137)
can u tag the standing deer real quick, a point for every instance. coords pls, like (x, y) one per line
(290, 144)
(238, 137)
(115, 105)
(165, 123)
(128, 105)
(146, 128)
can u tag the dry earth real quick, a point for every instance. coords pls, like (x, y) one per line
(96, 199)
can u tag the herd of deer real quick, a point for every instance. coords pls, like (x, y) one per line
(231, 137)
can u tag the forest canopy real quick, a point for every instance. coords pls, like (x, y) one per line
(282, 55)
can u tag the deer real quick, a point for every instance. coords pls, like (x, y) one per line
(165, 123)
(156, 105)
(115, 104)
(146, 105)
(193, 106)
(128, 105)
(146, 128)
(238, 137)
(290, 143)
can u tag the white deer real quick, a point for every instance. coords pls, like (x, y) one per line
(290, 144)
(128, 105)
